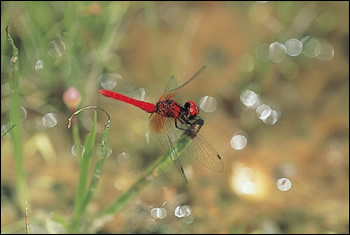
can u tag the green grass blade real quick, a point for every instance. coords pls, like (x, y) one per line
(98, 168)
(15, 117)
(84, 172)
(153, 170)
(83, 197)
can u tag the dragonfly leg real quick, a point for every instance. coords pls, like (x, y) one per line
(198, 121)
(196, 126)
(189, 124)
(192, 127)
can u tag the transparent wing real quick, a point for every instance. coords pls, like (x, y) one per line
(203, 152)
(199, 148)
(171, 93)
(163, 130)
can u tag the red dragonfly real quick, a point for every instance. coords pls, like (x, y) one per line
(169, 119)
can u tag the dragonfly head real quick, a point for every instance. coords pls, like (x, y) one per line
(191, 109)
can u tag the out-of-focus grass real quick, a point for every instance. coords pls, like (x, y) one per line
(15, 118)
(61, 68)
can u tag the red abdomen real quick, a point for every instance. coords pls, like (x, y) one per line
(146, 106)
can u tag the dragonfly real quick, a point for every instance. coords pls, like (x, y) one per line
(169, 119)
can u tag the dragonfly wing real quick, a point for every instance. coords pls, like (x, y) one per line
(176, 160)
(172, 84)
(162, 129)
(170, 93)
(201, 150)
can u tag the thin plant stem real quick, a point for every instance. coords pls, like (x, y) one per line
(8, 130)
(26, 220)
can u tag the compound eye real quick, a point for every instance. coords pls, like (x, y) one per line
(192, 108)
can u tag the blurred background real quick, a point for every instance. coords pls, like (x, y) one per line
(274, 94)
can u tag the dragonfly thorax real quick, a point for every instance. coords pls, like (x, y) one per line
(168, 108)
